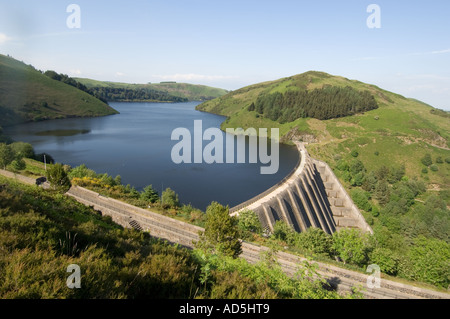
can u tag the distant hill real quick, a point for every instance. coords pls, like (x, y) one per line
(164, 91)
(393, 130)
(28, 95)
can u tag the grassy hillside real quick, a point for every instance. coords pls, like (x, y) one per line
(400, 130)
(43, 232)
(28, 95)
(187, 91)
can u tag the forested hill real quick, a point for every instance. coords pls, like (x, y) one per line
(27, 94)
(164, 91)
(311, 94)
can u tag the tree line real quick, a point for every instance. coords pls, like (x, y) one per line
(108, 94)
(323, 104)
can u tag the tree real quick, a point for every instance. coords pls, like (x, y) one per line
(351, 246)
(221, 231)
(22, 149)
(382, 192)
(58, 179)
(6, 155)
(169, 199)
(150, 194)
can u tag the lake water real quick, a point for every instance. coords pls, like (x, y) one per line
(136, 144)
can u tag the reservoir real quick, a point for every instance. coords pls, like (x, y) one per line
(136, 144)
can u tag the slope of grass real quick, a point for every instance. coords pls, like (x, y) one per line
(28, 95)
(43, 232)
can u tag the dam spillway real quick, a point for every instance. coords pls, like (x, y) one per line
(311, 196)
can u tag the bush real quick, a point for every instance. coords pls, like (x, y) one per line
(315, 241)
(249, 221)
(169, 199)
(18, 165)
(361, 199)
(58, 179)
(386, 260)
(283, 232)
(354, 153)
(434, 168)
(426, 160)
(351, 246)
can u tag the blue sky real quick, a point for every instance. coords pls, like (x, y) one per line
(231, 44)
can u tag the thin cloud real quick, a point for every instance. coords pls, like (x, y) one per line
(441, 51)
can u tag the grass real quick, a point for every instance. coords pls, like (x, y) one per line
(32, 96)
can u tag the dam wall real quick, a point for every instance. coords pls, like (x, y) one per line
(311, 196)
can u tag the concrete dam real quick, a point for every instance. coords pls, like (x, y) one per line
(310, 196)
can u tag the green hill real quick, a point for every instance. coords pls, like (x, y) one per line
(164, 91)
(28, 95)
(398, 129)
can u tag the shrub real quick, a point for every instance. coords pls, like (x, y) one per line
(169, 199)
(315, 240)
(249, 221)
(58, 178)
(426, 160)
(351, 246)
(361, 199)
(386, 260)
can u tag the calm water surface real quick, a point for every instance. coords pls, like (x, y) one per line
(136, 144)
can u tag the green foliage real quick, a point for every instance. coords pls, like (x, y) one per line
(22, 149)
(248, 221)
(426, 160)
(361, 199)
(6, 155)
(283, 232)
(430, 261)
(314, 241)
(351, 246)
(382, 192)
(386, 259)
(18, 165)
(169, 199)
(41, 233)
(221, 231)
(354, 153)
(326, 103)
(58, 179)
(133, 94)
(150, 194)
